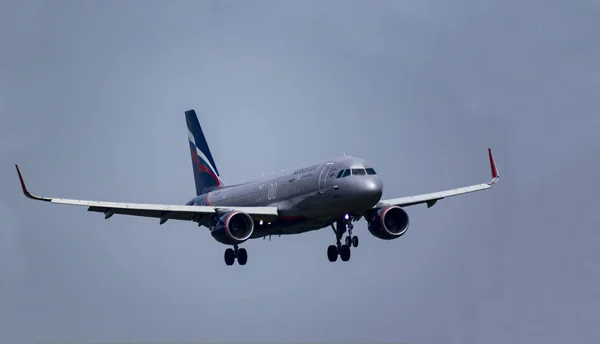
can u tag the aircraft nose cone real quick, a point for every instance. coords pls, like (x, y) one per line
(372, 188)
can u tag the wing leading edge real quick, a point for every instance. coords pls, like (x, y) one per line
(162, 211)
(432, 198)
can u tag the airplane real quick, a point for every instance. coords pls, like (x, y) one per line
(332, 193)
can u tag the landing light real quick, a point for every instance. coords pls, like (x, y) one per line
(347, 216)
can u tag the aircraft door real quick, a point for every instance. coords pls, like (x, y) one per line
(323, 177)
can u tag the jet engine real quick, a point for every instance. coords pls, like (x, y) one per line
(388, 223)
(232, 228)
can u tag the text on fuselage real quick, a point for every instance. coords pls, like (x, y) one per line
(306, 169)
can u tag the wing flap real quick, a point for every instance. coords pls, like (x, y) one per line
(109, 212)
(432, 198)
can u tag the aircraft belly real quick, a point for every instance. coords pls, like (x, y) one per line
(282, 229)
(307, 214)
(321, 206)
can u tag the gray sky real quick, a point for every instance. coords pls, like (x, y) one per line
(92, 96)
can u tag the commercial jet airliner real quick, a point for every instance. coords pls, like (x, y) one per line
(335, 193)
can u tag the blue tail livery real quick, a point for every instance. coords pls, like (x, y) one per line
(206, 174)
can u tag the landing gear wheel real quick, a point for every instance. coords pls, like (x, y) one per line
(332, 253)
(345, 253)
(229, 256)
(242, 256)
(340, 227)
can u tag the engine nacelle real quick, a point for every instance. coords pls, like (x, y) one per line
(232, 228)
(388, 223)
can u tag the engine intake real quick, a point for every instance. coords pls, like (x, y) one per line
(232, 228)
(388, 223)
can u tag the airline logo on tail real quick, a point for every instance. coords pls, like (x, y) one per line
(201, 162)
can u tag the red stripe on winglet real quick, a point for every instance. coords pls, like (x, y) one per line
(492, 164)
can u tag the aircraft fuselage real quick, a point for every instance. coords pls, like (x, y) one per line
(308, 198)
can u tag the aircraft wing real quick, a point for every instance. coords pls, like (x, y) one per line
(432, 198)
(163, 212)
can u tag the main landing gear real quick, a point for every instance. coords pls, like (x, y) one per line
(232, 253)
(338, 249)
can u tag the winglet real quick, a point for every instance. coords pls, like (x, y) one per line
(493, 168)
(25, 191)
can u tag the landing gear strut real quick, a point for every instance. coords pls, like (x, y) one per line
(338, 249)
(232, 253)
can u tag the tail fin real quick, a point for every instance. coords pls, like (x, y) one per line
(206, 174)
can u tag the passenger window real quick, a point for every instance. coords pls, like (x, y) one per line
(346, 173)
(339, 175)
(370, 171)
(358, 172)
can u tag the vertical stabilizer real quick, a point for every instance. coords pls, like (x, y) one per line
(206, 174)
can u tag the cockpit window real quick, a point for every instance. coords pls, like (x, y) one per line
(370, 171)
(358, 172)
(346, 173)
(339, 175)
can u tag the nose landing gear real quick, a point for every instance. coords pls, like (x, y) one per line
(232, 253)
(333, 251)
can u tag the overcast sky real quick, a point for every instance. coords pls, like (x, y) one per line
(92, 95)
